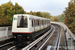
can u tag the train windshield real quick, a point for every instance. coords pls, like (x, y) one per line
(22, 22)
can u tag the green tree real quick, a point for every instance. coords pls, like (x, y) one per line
(31, 13)
(9, 11)
(24, 12)
(18, 9)
(61, 18)
(38, 14)
(70, 16)
(55, 19)
(3, 20)
(1, 12)
(45, 15)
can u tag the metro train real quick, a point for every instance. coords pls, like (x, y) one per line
(29, 27)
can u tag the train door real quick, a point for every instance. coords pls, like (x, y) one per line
(40, 23)
(33, 24)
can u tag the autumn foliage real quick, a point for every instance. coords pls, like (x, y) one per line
(7, 10)
(70, 16)
(55, 19)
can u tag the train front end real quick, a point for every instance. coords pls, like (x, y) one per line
(20, 27)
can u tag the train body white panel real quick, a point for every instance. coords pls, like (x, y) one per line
(42, 27)
(14, 26)
(31, 25)
(37, 28)
(20, 30)
(31, 29)
(28, 27)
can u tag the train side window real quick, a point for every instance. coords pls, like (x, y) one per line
(38, 22)
(42, 22)
(32, 23)
(35, 22)
(25, 22)
(47, 22)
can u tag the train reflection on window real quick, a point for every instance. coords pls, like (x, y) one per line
(22, 22)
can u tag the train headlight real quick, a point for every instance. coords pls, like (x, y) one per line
(27, 37)
(14, 36)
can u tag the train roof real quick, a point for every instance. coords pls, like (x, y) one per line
(33, 16)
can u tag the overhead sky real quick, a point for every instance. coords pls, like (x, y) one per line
(54, 7)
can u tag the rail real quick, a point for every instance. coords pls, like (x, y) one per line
(5, 44)
(12, 48)
(36, 41)
(45, 41)
(57, 41)
(65, 27)
(70, 37)
(41, 46)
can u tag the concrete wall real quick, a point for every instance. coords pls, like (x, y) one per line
(5, 31)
